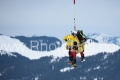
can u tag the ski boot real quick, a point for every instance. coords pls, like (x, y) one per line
(82, 59)
(70, 62)
(74, 65)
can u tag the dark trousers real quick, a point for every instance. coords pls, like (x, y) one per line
(72, 56)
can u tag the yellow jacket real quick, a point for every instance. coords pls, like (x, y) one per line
(70, 39)
(81, 47)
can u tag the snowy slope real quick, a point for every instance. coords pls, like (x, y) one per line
(103, 38)
(97, 35)
(14, 45)
(4, 52)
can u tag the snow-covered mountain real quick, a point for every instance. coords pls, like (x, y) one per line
(103, 38)
(102, 66)
(19, 62)
(15, 45)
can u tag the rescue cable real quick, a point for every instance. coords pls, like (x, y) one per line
(74, 15)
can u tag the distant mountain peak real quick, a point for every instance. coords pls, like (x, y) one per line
(95, 35)
(103, 38)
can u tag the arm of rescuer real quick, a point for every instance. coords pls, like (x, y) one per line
(69, 40)
(66, 39)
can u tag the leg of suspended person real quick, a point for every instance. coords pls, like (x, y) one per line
(70, 57)
(74, 58)
(82, 56)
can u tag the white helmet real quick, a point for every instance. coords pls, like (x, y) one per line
(73, 32)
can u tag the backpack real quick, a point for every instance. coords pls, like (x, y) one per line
(81, 37)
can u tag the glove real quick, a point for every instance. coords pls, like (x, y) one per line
(67, 47)
(83, 50)
(65, 39)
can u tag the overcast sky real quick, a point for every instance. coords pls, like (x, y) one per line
(56, 17)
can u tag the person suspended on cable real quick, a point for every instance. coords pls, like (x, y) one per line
(72, 42)
(82, 38)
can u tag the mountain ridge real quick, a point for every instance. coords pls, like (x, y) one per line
(101, 62)
(15, 45)
(103, 38)
(102, 66)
